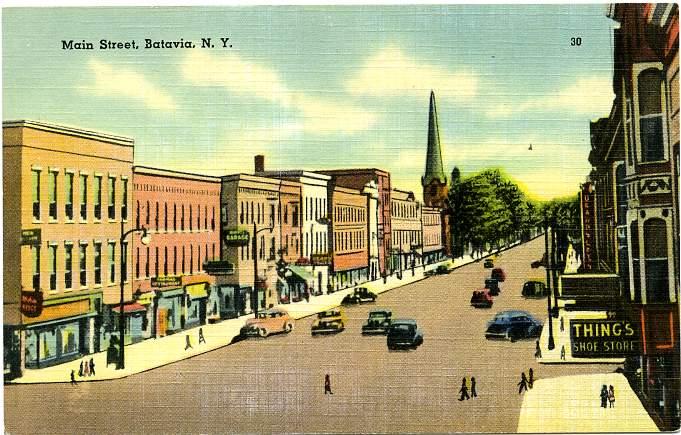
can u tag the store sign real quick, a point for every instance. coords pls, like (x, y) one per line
(31, 303)
(166, 281)
(31, 237)
(320, 259)
(604, 338)
(236, 237)
(588, 206)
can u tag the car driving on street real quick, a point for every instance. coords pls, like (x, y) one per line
(481, 299)
(379, 322)
(329, 322)
(360, 295)
(268, 322)
(404, 333)
(513, 325)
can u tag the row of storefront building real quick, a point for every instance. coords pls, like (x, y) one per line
(213, 247)
(630, 210)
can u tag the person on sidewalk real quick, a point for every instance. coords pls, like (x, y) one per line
(522, 385)
(604, 396)
(327, 384)
(86, 368)
(73, 378)
(307, 296)
(537, 350)
(474, 393)
(530, 383)
(202, 339)
(92, 367)
(189, 343)
(611, 396)
(562, 352)
(464, 390)
(80, 370)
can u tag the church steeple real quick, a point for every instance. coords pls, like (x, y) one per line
(434, 170)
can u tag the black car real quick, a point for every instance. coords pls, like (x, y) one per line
(379, 322)
(360, 295)
(442, 270)
(489, 263)
(404, 333)
(535, 289)
(493, 286)
(513, 325)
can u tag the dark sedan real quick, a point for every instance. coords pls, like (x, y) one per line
(513, 325)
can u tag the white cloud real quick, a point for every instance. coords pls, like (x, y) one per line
(116, 81)
(391, 73)
(589, 96)
(318, 115)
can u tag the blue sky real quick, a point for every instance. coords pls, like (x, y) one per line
(326, 86)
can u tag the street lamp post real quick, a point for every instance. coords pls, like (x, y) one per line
(121, 314)
(551, 344)
(254, 245)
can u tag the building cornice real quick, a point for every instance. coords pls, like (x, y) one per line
(70, 131)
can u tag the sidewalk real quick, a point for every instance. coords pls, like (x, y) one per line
(562, 338)
(153, 353)
(572, 404)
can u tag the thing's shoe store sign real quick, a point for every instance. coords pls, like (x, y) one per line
(604, 338)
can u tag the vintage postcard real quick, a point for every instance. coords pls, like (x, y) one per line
(341, 219)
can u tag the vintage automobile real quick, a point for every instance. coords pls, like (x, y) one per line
(489, 263)
(404, 333)
(499, 274)
(329, 322)
(513, 325)
(493, 286)
(482, 299)
(360, 295)
(443, 270)
(535, 289)
(268, 322)
(378, 322)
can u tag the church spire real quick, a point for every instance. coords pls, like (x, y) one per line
(434, 170)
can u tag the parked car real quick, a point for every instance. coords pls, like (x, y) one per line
(482, 299)
(513, 325)
(489, 263)
(379, 322)
(535, 289)
(329, 322)
(442, 270)
(404, 333)
(493, 286)
(360, 295)
(499, 274)
(268, 322)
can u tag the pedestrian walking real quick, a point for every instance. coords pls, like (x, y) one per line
(92, 367)
(464, 390)
(80, 370)
(73, 378)
(522, 385)
(537, 350)
(530, 383)
(307, 295)
(327, 384)
(189, 343)
(474, 393)
(562, 352)
(604, 397)
(611, 396)
(86, 368)
(202, 339)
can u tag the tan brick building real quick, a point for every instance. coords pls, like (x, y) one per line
(348, 236)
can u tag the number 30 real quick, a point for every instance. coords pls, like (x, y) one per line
(576, 41)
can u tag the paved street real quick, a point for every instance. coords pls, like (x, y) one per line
(276, 384)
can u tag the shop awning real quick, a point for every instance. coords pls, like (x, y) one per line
(146, 298)
(197, 291)
(301, 272)
(133, 307)
(171, 292)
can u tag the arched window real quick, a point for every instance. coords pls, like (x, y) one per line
(650, 112)
(656, 261)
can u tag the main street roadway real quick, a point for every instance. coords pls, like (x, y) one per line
(277, 384)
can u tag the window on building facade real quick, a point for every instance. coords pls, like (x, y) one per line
(205, 217)
(165, 216)
(165, 261)
(214, 258)
(137, 264)
(156, 218)
(83, 197)
(241, 213)
(68, 196)
(191, 217)
(52, 192)
(146, 265)
(182, 219)
(174, 217)
(112, 198)
(35, 253)
(191, 259)
(137, 214)
(212, 220)
(98, 262)
(252, 214)
(198, 258)
(35, 191)
(261, 249)
(656, 261)
(635, 261)
(112, 262)
(83, 265)
(174, 260)
(124, 200)
(98, 197)
(156, 261)
(294, 217)
(272, 249)
(124, 259)
(650, 112)
(53, 267)
(68, 266)
(198, 217)
(148, 219)
(183, 260)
